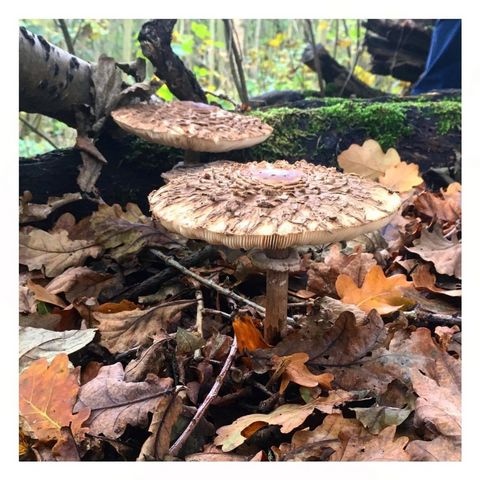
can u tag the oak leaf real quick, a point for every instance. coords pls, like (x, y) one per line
(440, 449)
(446, 206)
(323, 275)
(445, 254)
(115, 403)
(53, 251)
(377, 292)
(127, 329)
(37, 343)
(401, 177)
(423, 279)
(33, 212)
(368, 160)
(289, 416)
(43, 295)
(47, 396)
(80, 282)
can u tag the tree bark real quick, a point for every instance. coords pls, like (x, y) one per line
(338, 76)
(155, 38)
(52, 81)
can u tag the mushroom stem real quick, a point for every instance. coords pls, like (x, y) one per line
(275, 323)
(191, 157)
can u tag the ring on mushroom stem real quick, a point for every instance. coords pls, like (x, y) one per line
(195, 127)
(271, 208)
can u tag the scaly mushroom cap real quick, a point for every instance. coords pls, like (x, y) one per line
(192, 126)
(272, 205)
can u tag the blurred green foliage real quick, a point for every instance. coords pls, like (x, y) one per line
(271, 58)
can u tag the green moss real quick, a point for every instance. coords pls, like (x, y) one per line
(449, 115)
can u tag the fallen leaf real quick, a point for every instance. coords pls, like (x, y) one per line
(34, 212)
(377, 292)
(296, 371)
(440, 449)
(164, 417)
(93, 161)
(188, 342)
(126, 233)
(123, 306)
(127, 329)
(150, 360)
(401, 177)
(115, 403)
(445, 254)
(368, 160)
(336, 307)
(47, 396)
(55, 252)
(322, 276)
(248, 336)
(438, 409)
(80, 282)
(43, 295)
(289, 416)
(446, 206)
(37, 343)
(423, 279)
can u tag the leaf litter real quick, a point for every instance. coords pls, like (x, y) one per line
(358, 377)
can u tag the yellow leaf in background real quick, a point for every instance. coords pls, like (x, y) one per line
(344, 43)
(364, 76)
(368, 160)
(401, 177)
(322, 25)
(377, 291)
(175, 37)
(277, 40)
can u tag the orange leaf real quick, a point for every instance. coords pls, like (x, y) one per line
(47, 396)
(123, 306)
(377, 291)
(248, 336)
(368, 160)
(401, 177)
(43, 295)
(296, 371)
(424, 280)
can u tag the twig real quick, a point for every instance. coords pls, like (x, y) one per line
(217, 312)
(209, 283)
(316, 60)
(421, 318)
(37, 132)
(206, 403)
(66, 36)
(223, 96)
(349, 52)
(354, 64)
(200, 307)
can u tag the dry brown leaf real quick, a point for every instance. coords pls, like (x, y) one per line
(43, 295)
(47, 396)
(423, 279)
(115, 403)
(401, 177)
(368, 160)
(296, 371)
(446, 206)
(34, 212)
(322, 276)
(80, 282)
(440, 449)
(289, 416)
(445, 254)
(127, 329)
(55, 252)
(166, 414)
(438, 408)
(377, 292)
(126, 233)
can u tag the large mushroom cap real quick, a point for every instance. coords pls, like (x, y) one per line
(272, 205)
(192, 126)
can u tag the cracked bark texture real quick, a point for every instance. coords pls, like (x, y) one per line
(52, 81)
(155, 38)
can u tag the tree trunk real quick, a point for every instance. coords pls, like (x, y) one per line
(52, 81)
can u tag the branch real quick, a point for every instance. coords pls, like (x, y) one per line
(66, 36)
(155, 39)
(37, 132)
(316, 60)
(206, 403)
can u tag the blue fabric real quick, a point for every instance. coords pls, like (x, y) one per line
(444, 64)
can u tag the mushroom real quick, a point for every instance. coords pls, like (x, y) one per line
(195, 127)
(269, 208)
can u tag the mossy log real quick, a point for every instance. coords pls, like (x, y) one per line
(424, 131)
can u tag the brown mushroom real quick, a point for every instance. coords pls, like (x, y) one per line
(195, 127)
(270, 208)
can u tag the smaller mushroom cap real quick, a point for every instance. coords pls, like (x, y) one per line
(192, 126)
(272, 206)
